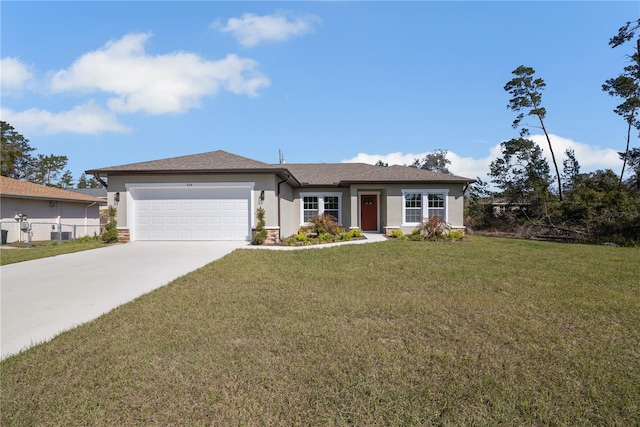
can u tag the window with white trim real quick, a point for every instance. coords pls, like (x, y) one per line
(420, 204)
(413, 207)
(309, 207)
(332, 206)
(320, 204)
(436, 205)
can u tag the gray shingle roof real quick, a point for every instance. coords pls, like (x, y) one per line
(346, 173)
(307, 174)
(212, 161)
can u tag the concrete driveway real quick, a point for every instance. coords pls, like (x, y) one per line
(40, 299)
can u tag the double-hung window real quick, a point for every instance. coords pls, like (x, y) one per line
(436, 205)
(420, 204)
(412, 207)
(309, 207)
(320, 204)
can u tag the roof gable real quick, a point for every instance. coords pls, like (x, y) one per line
(10, 187)
(212, 161)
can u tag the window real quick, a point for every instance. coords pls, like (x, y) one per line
(423, 203)
(436, 205)
(309, 208)
(320, 204)
(413, 207)
(332, 206)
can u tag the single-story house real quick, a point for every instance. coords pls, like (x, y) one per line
(214, 196)
(47, 213)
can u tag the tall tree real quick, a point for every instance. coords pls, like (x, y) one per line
(527, 95)
(633, 159)
(522, 173)
(434, 162)
(16, 160)
(627, 86)
(66, 180)
(84, 182)
(48, 169)
(570, 170)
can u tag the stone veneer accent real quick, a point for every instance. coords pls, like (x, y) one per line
(123, 235)
(272, 235)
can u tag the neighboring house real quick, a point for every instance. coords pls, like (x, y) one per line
(214, 196)
(100, 193)
(50, 213)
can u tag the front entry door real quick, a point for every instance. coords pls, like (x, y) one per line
(369, 212)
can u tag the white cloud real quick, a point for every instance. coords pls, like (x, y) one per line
(15, 75)
(590, 157)
(252, 29)
(169, 83)
(82, 119)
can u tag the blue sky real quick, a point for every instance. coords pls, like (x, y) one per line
(109, 83)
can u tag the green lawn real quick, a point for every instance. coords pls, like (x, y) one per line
(43, 249)
(484, 332)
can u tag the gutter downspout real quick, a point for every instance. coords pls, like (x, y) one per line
(97, 176)
(279, 197)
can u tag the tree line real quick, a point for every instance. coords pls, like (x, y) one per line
(536, 199)
(17, 160)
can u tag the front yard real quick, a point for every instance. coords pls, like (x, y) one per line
(481, 332)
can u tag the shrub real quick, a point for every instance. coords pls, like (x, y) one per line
(110, 233)
(325, 238)
(416, 236)
(301, 238)
(344, 235)
(434, 228)
(261, 234)
(398, 234)
(321, 224)
(455, 235)
(356, 232)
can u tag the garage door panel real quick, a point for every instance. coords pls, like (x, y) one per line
(192, 214)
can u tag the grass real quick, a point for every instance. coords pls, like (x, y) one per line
(44, 249)
(486, 332)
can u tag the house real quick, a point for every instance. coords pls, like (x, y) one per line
(37, 212)
(214, 196)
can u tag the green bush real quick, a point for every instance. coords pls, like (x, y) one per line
(356, 232)
(398, 234)
(261, 234)
(455, 235)
(110, 233)
(301, 238)
(325, 238)
(416, 236)
(345, 236)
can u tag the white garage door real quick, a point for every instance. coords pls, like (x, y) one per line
(191, 213)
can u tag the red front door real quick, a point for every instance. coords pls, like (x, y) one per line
(369, 212)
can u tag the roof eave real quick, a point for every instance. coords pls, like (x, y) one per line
(52, 198)
(107, 172)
